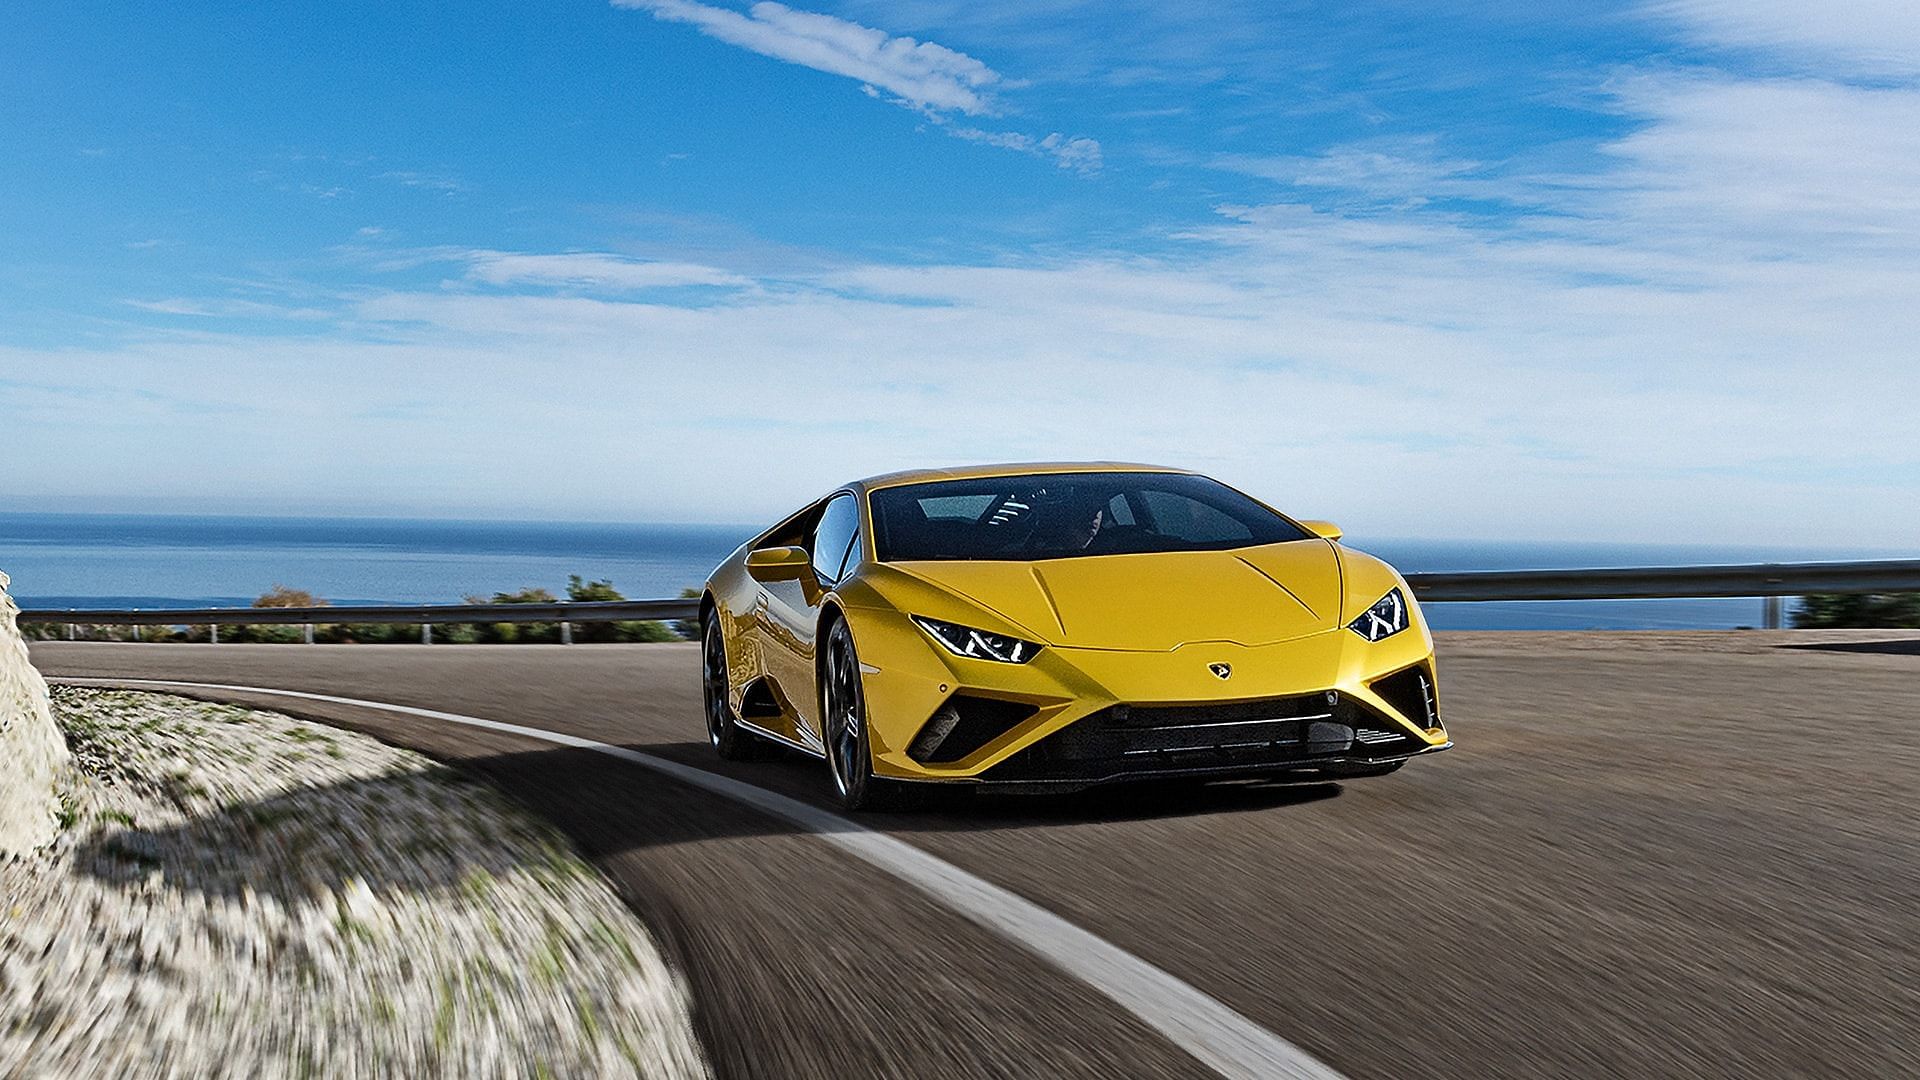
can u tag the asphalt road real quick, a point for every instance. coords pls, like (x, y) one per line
(1650, 855)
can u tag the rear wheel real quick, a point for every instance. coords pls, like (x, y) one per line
(844, 706)
(729, 739)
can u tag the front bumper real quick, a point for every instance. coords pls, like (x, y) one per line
(1323, 703)
(1318, 735)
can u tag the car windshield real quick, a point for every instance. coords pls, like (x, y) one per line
(1064, 515)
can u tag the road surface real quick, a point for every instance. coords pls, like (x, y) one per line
(1650, 855)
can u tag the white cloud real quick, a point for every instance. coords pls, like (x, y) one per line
(1805, 167)
(429, 181)
(1402, 171)
(1875, 37)
(919, 73)
(1080, 154)
(932, 79)
(1410, 379)
(231, 309)
(592, 269)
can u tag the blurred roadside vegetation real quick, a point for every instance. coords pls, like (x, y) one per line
(1837, 611)
(579, 590)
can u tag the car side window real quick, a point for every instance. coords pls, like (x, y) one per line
(853, 556)
(792, 532)
(838, 527)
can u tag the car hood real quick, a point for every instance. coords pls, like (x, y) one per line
(1156, 602)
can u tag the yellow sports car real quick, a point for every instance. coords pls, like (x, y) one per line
(1056, 626)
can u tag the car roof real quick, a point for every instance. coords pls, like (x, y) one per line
(977, 472)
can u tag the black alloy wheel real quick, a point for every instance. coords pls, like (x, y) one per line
(729, 739)
(849, 756)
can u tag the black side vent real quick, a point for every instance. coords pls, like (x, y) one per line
(963, 724)
(758, 702)
(1411, 692)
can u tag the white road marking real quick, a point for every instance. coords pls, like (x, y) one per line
(1203, 1026)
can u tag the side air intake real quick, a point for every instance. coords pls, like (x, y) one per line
(963, 724)
(1411, 693)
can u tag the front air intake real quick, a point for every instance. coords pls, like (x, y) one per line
(963, 724)
(1411, 693)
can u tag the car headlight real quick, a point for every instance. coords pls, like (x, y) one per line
(1384, 619)
(978, 644)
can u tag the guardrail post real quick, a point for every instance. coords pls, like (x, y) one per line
(426, 633)
(137, 635)
(72, 631)
(306, 633)
(566, 633)
(1771, 618)
(213, 633)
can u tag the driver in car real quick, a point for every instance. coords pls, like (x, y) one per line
(1076, 523)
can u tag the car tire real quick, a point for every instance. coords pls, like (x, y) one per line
(843, 711)
(730, 740)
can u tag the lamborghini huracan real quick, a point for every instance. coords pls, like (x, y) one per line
(1052, 627)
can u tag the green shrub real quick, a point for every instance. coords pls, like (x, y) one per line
(581, 591)
(1856, 611)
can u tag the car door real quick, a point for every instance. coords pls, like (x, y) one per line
(792, 614)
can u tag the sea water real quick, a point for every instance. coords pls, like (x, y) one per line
(155, 561)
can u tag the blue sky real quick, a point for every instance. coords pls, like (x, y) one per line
(1520, 270)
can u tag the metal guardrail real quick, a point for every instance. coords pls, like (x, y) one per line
(421, 614)
(426, 616)
(1671, 582)
(1772, 580)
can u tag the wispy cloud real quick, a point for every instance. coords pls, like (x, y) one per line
(1875, 37)
(1796, 169)
(230, 309)
(918, 73)
(1405, 171)
(931, 79)
(590, 269)
(425, 180)
(1081, 154)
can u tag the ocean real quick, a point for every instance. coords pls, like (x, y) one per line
(151, 561)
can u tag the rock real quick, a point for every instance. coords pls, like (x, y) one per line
(350, 914)
(32, 753)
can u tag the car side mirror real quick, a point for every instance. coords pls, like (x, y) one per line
(780, 564)
(1325, 530)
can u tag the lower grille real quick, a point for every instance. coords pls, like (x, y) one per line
(1126, 740)
(1221, 714)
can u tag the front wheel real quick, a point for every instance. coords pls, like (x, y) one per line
(729, 739)
(844, 707)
